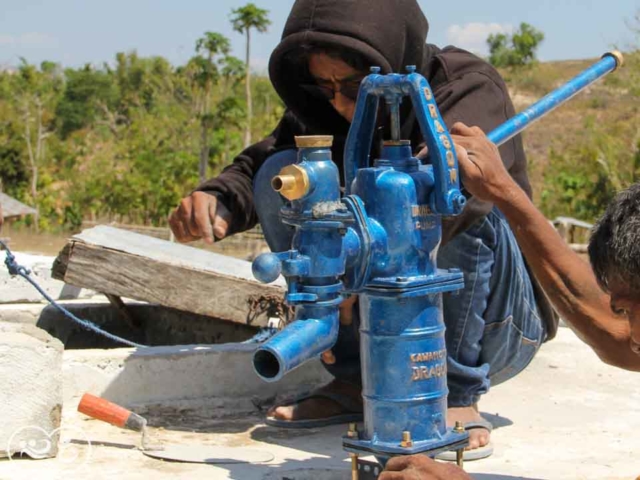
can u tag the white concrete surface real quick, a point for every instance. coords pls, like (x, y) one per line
(567, 416)
(31, 393)
(15, 289)
(217, 377)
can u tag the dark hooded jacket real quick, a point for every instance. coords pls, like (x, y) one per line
(390, 34)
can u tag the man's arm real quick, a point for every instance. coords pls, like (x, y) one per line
(224, 205)
(567, 280)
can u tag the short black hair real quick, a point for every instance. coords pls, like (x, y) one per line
(614, 247)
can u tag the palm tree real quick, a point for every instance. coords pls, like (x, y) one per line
(243, 20)
(205, 73)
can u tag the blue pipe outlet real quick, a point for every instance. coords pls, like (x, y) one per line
(314, 331)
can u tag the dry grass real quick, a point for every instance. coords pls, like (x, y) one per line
(607, 102)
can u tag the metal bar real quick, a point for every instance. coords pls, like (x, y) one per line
(609, 62)
(395, 121)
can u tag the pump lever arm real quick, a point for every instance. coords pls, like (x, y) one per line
(448, 200)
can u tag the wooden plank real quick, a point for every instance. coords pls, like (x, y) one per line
(131, 265)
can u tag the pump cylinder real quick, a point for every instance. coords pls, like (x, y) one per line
(404, 365)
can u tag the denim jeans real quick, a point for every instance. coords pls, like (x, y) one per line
(493, 328)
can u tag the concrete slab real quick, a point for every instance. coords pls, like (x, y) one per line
(18, 290)
(31, 394)
(218, 378)
(568, 416)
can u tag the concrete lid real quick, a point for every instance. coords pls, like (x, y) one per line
(13, 208)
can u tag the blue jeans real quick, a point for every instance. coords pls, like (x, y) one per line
(493, 325)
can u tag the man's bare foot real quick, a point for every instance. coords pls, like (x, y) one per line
(318, 407)
(478, 437)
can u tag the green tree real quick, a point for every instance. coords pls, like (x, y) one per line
(208, 73)
(516, 50)
(88, 92)
(243, 20)
(36, 93)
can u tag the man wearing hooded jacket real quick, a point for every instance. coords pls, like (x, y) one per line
(497, 323)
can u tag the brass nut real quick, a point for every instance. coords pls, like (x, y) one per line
(459, 428)
(353, 431)
(292, 182)
(406, 440)
(314, 141)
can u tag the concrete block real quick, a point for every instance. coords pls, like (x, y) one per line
(31, 393)
(219, 378)
(18, 290)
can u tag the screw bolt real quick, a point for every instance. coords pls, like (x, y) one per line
(459, 428)
(406, 440)
(353, 431)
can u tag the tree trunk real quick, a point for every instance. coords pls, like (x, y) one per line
(204, 137)
(226, 147)
(32, 163)
(247, 132)
(204, 151)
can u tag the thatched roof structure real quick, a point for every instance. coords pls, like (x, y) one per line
(13, 208)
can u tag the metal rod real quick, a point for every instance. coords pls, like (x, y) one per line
(609, 62)
(395, 121)
(459, 428)
(354, 466)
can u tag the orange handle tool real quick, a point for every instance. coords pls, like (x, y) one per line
(101, 409)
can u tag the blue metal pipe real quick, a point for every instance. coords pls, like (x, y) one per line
(315, 331)
(609, 62)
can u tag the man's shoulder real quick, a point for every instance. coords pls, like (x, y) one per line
(452, 63)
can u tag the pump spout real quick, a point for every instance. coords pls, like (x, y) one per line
(314, 331)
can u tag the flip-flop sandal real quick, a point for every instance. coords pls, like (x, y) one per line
(476, 453)
(352, 411)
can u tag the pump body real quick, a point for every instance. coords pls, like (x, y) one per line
(380, 241)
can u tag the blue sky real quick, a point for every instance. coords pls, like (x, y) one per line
(74, 32)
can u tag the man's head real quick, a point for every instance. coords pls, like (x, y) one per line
(336, 77)
(614, 251)
(389, 34)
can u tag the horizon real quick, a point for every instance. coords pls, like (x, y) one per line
(39, 31)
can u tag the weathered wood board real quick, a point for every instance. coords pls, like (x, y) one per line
(127, 264)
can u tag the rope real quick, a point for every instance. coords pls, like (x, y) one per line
(16, 269)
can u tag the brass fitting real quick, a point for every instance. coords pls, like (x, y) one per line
(353, 431)
(314, 141)
(292, 182)
(406, 440)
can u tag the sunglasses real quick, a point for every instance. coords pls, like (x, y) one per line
(349, 89)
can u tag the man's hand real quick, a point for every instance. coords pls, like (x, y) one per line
(482, 171)
(421, 467)
(200, 215)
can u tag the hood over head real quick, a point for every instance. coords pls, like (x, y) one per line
(390, 34)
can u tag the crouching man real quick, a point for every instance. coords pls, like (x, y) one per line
(601, 302)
